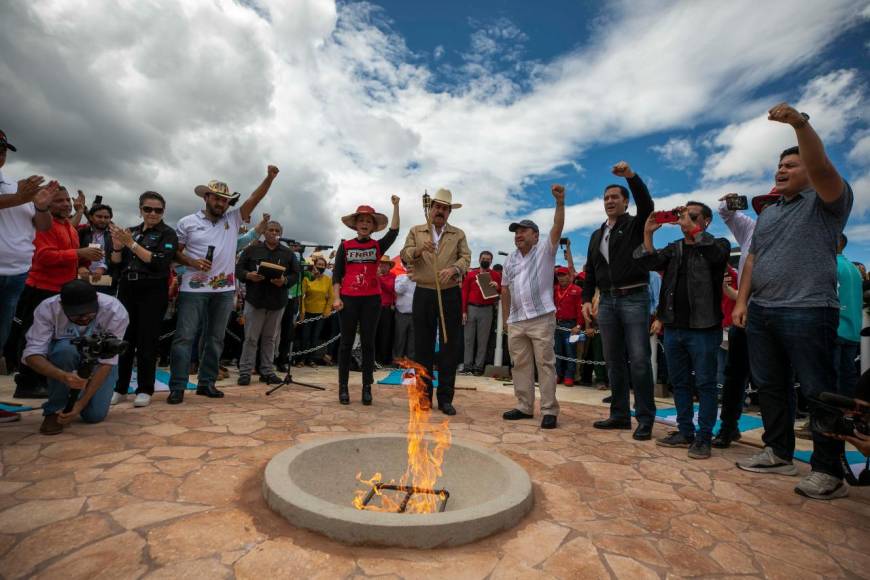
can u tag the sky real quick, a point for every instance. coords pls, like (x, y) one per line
(495, 100)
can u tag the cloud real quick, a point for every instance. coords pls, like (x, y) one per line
(116, 98)
(677, 153)
(860, 152)
(834, 102)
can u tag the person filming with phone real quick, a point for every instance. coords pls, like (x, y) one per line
(690, 308)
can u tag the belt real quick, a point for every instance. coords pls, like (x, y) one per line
(136, 276)
(615, 292)
(480, 305)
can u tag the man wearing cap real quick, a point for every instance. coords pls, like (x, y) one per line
(207, 246)
(623, 310)
(791, 312)
(78, 311)
(529, 313)
(477, 313)
(441, 251)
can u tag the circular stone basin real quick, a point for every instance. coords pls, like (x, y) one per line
(313, 485)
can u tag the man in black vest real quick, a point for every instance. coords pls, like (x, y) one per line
(623, 312)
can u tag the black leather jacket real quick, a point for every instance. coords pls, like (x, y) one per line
(706, 269)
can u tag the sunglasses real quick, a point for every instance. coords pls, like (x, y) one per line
(149, 209)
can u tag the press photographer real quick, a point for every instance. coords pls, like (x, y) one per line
(59, 323)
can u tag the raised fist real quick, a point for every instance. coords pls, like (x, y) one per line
(272, 171)
(395, 200)
(558, 192)
(785, 113)
(622, 169)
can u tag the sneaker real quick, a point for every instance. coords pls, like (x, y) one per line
(272, 379)
(569, 382)
(243, 380)
(142, 400)
(9, 417)
(818, 485)
(675, 439)
(700, 449)
(724, 439)
(117, 398)
(50, 425)
(767, 462)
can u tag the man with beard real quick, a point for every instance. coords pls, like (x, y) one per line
(207, 246)
(441, 251)
(55, 262)
(623, 311)
(96, 233)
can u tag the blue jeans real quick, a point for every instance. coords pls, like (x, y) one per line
(565, 368)
(10, 290)
(65, 356)
(784, 342)
(192, 309)
(624, 323)
(845, 353)
(690, 350)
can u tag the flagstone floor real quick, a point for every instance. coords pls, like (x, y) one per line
(175, 492)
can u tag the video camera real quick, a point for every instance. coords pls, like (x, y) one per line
(92, 348)
(850, 416)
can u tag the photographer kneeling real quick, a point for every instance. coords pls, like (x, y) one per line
(78, 312)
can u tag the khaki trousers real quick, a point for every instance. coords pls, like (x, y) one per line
(531, 342)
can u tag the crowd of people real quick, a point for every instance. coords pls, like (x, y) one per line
(72, 287)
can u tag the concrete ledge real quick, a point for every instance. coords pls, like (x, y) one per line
(312, 485)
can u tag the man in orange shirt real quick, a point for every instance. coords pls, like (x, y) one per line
(55, 262)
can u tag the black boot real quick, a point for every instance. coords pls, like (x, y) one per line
(343, 396)
(367, 395)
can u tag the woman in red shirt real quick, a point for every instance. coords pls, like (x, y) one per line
(358, 291)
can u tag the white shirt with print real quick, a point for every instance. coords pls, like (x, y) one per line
(16, 233)
(196, 233)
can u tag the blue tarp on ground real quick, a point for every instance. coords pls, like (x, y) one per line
(395, 378)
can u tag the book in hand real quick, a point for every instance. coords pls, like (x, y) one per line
(487, 290)
(269, 271)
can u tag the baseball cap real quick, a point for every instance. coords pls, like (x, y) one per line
(5, 143)
(523, 224)
(562, 270)
(78, 298)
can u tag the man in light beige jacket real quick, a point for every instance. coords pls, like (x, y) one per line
(442, 251)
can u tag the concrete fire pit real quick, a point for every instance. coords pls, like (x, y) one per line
(313, 485)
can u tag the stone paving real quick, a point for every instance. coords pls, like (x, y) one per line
(172, 492)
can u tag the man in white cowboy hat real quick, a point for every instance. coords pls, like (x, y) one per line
(441, 251)
(207, 246)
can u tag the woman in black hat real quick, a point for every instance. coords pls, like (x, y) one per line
(358, 292)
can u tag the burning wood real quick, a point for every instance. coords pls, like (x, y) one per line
(425, 457)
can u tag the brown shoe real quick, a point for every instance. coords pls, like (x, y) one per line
(50, 425)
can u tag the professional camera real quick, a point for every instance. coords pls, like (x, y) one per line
(849, 416)
(91, 349)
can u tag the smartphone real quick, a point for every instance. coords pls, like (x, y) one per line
(98, 199)
(738, 202)
(666, 217)
(563, 241)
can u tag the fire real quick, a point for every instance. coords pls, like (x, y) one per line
(425, 454)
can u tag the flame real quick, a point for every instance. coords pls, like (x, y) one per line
(425, 454)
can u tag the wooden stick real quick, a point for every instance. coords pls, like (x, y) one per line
(427, 204)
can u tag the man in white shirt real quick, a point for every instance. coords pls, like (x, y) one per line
(403, 344)
(23, 211)
(207, 246)
(78, 311)
(530, 314)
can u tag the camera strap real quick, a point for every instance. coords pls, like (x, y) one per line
(89, 329)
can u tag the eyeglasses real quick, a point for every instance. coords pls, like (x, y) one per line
(149, 209)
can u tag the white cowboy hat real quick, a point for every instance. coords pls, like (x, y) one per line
(445, 197)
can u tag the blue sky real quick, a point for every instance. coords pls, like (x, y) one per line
(440, 34)
(495, 100)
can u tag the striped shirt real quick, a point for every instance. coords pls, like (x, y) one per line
(530, 280)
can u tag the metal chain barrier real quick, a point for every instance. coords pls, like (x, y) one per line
(318, 347)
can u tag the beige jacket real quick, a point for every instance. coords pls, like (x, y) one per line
(452, 251)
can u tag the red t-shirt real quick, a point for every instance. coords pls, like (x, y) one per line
(56, 259)
(569, 303)
(388, 289)
(471, 291)
(727, 303)
(360, 268)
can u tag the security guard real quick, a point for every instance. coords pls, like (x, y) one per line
(144, 254)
